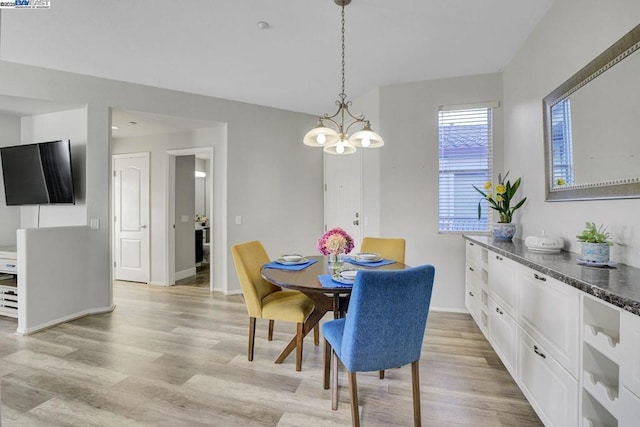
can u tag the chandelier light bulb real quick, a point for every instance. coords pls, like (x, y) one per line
(322, 138)
(340, 148)
(365, 142)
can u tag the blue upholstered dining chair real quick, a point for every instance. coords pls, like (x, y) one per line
(384, 328)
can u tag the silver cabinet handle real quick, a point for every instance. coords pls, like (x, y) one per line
(499, 311)
(356, 222)
(471, 293)
(541, 278)
(471, 244)
(471, 269)
(499, 258)
(538, 352)
(143, 226)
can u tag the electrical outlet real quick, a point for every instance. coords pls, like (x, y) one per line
(94, 223)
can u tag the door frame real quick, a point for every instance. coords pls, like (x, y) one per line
(217, 263)
(114, 157)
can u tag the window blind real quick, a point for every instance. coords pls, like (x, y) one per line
(562, 143)
(465, 141)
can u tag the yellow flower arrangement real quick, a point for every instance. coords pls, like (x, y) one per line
(505, 192)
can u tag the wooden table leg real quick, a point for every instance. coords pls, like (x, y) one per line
(322, 306)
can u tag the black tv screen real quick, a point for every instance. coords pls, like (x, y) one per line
(38, 174)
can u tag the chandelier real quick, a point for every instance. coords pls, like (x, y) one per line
(338, 141)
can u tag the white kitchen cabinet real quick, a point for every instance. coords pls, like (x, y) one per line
(476, 287)
(549, 311)
(502, 282)
(576, 356)
(630, 343)
(630, 416)
(503, 334)
(551, 390)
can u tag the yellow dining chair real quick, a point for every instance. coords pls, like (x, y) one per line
(387, 248)
(267, 301)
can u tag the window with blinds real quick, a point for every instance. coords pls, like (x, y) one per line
(562, 146)
(465, 143)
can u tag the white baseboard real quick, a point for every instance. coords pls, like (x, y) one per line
(34, 329)
(185, 273)
(449, 310)
(153, 283)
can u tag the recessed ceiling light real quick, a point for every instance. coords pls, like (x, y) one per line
(263, 25)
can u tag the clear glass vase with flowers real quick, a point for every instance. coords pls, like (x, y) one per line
(333, 243)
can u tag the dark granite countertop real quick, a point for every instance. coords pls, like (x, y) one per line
(619, 286)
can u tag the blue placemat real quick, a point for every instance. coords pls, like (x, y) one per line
(380, 263)
(327, 282)
(294, 267)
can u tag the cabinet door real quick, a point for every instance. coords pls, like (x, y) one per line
(474, 252)
(551, 390)
(630, 346)
(630, 413)
(502, 282)
(503, 334)
(472, 301)
(548, 311)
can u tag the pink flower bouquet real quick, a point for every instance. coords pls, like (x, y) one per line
(335, 241)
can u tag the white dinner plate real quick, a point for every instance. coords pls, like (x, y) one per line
(283, 262)
(338, 278)
(360, 259)
(349, 274)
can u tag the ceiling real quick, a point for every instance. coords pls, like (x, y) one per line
(215, 48)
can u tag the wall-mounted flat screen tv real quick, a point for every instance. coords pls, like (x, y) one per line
(38, 174)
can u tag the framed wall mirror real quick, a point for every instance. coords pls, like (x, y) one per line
(592, 128)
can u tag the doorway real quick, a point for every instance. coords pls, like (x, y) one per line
(161, 136)
(177, 217)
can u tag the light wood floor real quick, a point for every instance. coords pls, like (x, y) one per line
(177, 357)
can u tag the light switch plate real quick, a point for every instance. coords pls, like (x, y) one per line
(238, 220)
(184, 218)
(94, 223)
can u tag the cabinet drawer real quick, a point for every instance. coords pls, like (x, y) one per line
(502, 282)
(8, 265)
(551, 390)
(549, 311)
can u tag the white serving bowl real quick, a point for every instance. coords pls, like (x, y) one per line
(292, 257)
(367, 256)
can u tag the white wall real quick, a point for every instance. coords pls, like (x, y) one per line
(72, 125)
(409, 173)
(53, 277)
(264, 157)
(9, 215)
(570, 35)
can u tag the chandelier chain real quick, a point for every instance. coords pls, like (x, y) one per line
(342, 94)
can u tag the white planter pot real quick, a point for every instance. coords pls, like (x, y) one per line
(595, 252)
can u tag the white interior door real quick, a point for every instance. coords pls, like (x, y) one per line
(343, 194)
(131, 217)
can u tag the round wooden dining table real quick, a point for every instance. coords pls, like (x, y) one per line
(325, 298)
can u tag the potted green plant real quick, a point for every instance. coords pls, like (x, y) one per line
(501, 202)
(595, 243)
